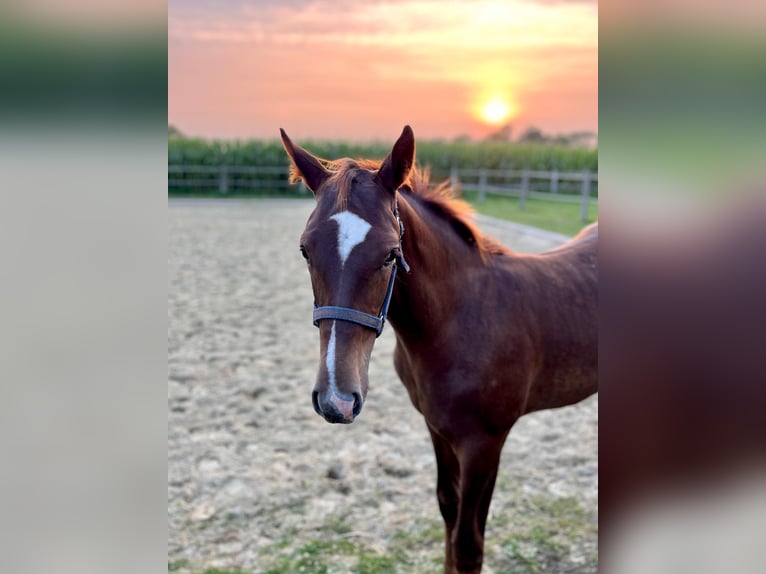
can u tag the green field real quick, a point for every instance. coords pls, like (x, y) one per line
(534, 536)
(551, 215)
(440, 156)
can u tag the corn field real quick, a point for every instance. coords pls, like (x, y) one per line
(262, 163)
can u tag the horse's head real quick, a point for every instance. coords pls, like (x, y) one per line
(352, 246)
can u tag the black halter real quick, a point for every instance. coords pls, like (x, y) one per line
(360, 317)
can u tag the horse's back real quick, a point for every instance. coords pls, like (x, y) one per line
(586, 240)
(587, 232)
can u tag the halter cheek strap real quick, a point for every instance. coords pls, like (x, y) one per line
(360, 317)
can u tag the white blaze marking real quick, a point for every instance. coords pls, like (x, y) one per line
(330, 359)
(352, 230)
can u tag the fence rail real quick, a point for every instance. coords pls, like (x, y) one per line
(525, 183)
(565, 186)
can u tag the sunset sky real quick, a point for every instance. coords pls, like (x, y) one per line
(361, 70)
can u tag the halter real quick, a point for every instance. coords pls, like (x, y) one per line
(360, 317)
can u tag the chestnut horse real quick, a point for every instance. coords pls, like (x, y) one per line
(483, 334)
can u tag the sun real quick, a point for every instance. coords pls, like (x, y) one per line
(496, 110)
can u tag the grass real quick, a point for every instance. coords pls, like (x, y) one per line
(337, 556)
(336, 551)
(551, 215)
(534, 535)
(176, 565)
(540, 535)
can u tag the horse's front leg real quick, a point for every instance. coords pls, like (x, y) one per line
(479, 460)
(448, 476)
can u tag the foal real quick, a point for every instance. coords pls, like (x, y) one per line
(483, 335)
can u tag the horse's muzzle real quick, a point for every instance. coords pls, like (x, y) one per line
(337, 407)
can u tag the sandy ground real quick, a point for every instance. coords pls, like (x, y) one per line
(254, 473)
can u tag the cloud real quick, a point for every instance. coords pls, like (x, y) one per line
(250, 65)
(405, 23)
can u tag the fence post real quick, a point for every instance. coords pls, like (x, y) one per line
(585, 196)
(454, 181)
(223, 181)
(555, 181)
(482, 185)
(524, 189)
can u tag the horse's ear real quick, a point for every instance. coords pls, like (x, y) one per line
(306, 165)
(396, 167)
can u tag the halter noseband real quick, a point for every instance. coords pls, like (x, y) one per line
(360, 317)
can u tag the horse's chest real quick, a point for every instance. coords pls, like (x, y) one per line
(413, 389)
(411, 373)
(430, 393)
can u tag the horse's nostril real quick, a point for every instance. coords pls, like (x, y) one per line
(315, 402)
(357, 404)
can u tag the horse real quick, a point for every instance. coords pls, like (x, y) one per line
(484, 335)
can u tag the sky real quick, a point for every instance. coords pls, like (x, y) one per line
(362, 70)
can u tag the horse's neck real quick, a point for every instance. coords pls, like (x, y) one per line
(425, 298)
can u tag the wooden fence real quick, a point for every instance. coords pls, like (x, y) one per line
(566, 186)
(225, 178)
(569, 187)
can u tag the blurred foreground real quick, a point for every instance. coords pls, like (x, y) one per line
(683, 323)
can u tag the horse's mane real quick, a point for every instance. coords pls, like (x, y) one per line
(440, 199)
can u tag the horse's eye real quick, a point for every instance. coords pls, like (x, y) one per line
(391, 257)
(304, 253)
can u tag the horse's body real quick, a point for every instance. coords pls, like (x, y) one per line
(484, 335)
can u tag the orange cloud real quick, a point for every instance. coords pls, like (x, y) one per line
(236, 70)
